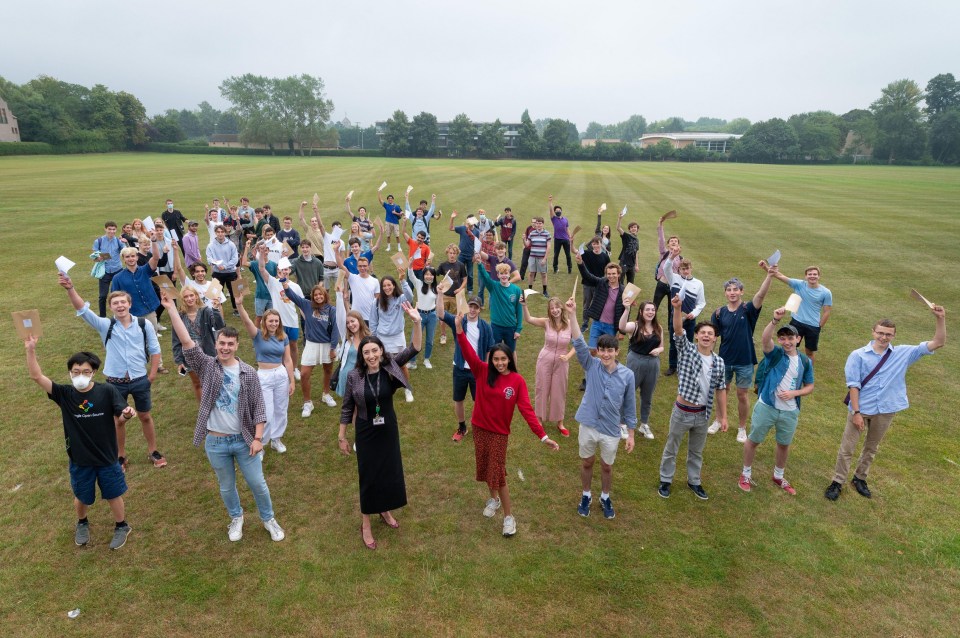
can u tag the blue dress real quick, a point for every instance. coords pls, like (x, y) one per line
(349, 362)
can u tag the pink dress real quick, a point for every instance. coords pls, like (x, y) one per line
(550, 393)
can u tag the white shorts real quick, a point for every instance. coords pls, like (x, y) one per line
(315, 354)
(393, 344)
(590, 439)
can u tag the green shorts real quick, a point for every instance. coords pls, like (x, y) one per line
(765, 417)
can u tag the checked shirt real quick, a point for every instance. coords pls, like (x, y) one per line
(689, 366)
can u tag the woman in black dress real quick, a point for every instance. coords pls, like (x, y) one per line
(368, 402)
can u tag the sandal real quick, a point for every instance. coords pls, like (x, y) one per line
(372, 545)
(394, 524)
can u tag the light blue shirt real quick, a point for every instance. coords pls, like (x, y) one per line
(416, 225)
(610, 398)
(112, 247)
(886, 392)
(813, 300)
(125, 355)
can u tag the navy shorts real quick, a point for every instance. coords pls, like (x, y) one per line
(140, 389)
(810, 334)
(84, 480)
(463, 379)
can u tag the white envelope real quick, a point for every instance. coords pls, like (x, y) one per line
(477, 246)
(382, 186)
(774, 259)
(148, 224)
(793, 303)
(528, 292)
(216, 262)
(409, 188)
(350, 194)
(336, 233)
(63, 264)
(623, 213)
(603, 207)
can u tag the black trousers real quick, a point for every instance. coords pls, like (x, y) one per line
(565, 245)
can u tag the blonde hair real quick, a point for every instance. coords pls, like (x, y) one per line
(264, 331)
(129, 250)
(563, 323)
(119, 293)
(181, 306)
(503, 268)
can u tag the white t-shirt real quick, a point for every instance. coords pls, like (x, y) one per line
(224, 418)
(706, 371)
(282, 303)
(788, 382)
(202, 289)
(364, 290)
(275, 248)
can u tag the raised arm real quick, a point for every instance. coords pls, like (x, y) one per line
(378, 226)
(33, 366)
(770, 330)
(303, 220)
(940, 336)
(417, 336)
(777, 274)
(349, 212)
(764, 287)
(154, 251)
(677, 316)
(453, 217)
(244, 317)
(72, 293)
(179, 329)
(625, 326)
(539, 322)
(596, 231)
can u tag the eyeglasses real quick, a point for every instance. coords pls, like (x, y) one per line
(888, 335)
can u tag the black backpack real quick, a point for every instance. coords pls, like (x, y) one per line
(142, 323)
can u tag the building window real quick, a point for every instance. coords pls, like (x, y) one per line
(3, 116)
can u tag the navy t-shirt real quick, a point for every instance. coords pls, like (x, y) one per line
(735, 331)
(89, 432)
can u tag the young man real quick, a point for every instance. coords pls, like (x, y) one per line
(815, 309)
(109, 247)
(876, 378)
(525, 255)
(789, 376)
(274, 246)
(270, 219)
(230, 423)
(735, 324)
(538, 240)
(308, 270)
(365, 289)
(360, 217)
(458, 274)
(222, 257)
(92, 414)
(466, 246)
(561, 234)
(247, 216)
(191, 245)
(669, 260)
(127, 345)
(421, 217)
(506, 313)
(480, 336)
(355, 254)
(418, 251)
(608, 402)
(289, 235)
(508, 227)
(693, 302)
(700, 376)
(483, 225)
(289, 316)
(595, 262)
(174, 221)
(322, 243)
(630, 249)
(391, 215)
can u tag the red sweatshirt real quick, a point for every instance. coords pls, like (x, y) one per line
(493, 409)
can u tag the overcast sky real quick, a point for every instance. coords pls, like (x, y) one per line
(602, 60)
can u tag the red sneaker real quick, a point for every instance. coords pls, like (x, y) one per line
(745, 483)
(458, 435)
(786, 487)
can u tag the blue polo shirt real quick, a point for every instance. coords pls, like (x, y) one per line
(735, 330)
(350, 263)
(466, 243)
(125, 355)
(391, 213)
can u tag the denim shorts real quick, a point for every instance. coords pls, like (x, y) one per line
(140, 389)
(84, 479)
(744, 375)
(293, 334)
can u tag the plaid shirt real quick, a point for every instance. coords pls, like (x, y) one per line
(689, 366)
(249, 402)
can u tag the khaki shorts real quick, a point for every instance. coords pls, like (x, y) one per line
(315, 354)
(590, 440)
(450, 304)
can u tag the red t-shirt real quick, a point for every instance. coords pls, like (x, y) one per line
(493, 409)
(420, 262)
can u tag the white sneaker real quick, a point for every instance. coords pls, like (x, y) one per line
(278, 445)
(387, 249)
(741, 435)
(409, 395)
(623, 432)
(645, 431)
(509, 526)
(161, 328)
(399, 249)
(427, 364)
(296, 374)
(276, 532)
(412, 365)
(493, 504)
(329, 400)
(307, 409)
(443, 340)
(714, 427)
(235, 531)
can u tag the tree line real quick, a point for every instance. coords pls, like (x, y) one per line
(906, 124)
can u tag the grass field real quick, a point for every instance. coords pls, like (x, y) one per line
(761, 564)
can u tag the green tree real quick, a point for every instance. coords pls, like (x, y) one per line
(134, 119)
(595, 131)
(102, 113)
(490, 140)
(228, 123)
(424, 135)
(208, 118)
(736, 126)
(462, 135)
(633, 128)
(900, 133)
(764, 142)
(395, 142)
(943, 92)
(945, 136)
(190, 123)
(556, 138)
(819, 134)
(692, 153)
(530, 144)
(165, 128)
(669, 125)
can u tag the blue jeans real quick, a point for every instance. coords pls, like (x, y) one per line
(504, 334)
(222, 451)
(428, 322)
(468, 263)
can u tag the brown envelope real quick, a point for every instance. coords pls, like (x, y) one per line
(214, 291)
(166, 285)
(27, 322)
(631, 292)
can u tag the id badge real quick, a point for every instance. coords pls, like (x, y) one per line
(378, 420)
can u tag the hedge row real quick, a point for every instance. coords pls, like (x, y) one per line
(26, 148)
(161, 147)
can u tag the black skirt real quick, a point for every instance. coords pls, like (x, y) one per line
(380, 467)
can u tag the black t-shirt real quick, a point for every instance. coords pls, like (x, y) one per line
(630, 247)
(173, 219)
(457, 272)
(89, 432)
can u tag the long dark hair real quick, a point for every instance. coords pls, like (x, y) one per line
(492, 373)
(384, 300)
(361, 363)
(432, 285)
(657, 330)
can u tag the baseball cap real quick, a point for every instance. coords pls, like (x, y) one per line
(477, 302)
(788, 329)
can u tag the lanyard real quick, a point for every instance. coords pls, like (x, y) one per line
(376, 392)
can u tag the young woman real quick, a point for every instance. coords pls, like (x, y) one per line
(350, 347)
(320, 324)
(603, 232)
(202, 323)
(500, 389)
(368, 402)
(427, 307)
(274, 369)
(386, 319)
(128, 237)
(139, 232)
(553, 363)
(643, 357)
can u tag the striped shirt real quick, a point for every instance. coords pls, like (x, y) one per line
(538, 243)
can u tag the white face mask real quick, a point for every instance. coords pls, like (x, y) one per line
(81, 382)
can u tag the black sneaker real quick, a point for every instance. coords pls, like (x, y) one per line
(583, 386)
(669, 372)
(833, 491)
(698, 491)
(861, 486)
(664, 490)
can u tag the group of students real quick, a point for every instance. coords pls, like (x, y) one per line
(356, 321)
